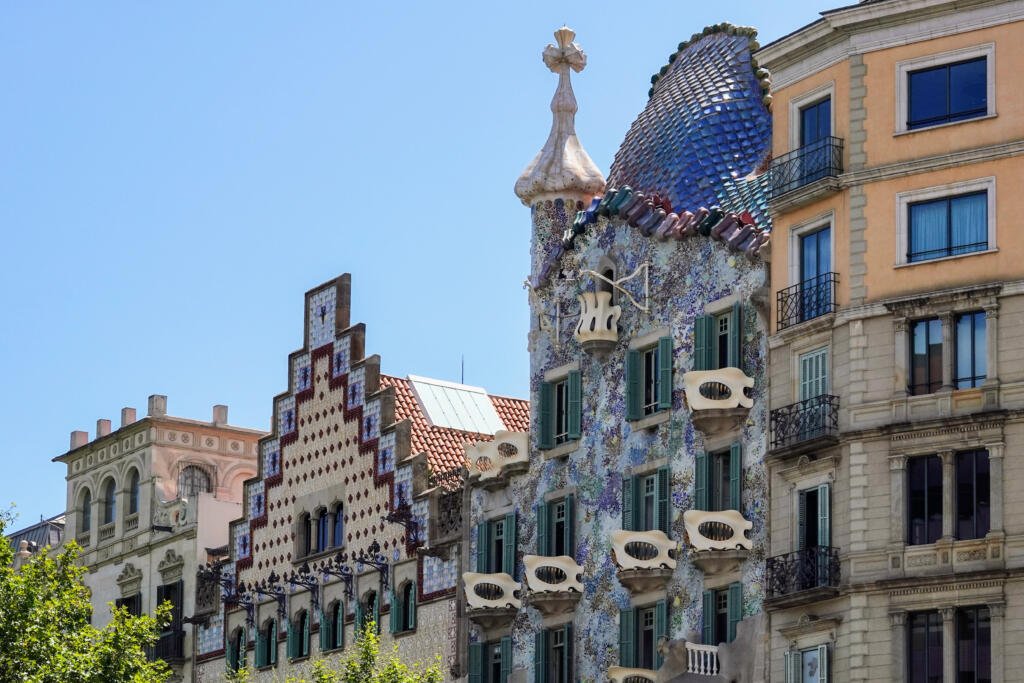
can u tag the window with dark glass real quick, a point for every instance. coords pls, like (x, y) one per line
(721, 466)
(645, 640)
(192, 481)
(722, 332)
(266, 644)
(646, 504)
(947, 93)
(497, 545)
(649, 379)
(306, 533)
(924, 647)
(339, 526)
(815, 131)
(972, 494)
(132, 603)
(640, 631)
(494, 668)
(970, 350)
(815, 265)
(559, 524)
(948, 226)
(924, 499)
(561, 411)
(109, 502)
(650, 362)
(925, 356)
(553, 655)
(973, 645)
(133, 493)
(323, 531)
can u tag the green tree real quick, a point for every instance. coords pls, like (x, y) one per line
(45, 630)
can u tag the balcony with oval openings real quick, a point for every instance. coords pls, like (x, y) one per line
(625, 674)
(554, 583)
(491, 463)
(598, 328)
(718, 540)
(646, 559)
(719, 400)
(492, 599)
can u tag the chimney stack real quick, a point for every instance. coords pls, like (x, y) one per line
(157, 405)
(220, 415)
(127, 416)
(102, 427)
(79, 439)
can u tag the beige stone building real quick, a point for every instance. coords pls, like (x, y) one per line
(896, 381)
(149, 503)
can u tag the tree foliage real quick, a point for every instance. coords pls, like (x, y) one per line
(364, 664)
(45, 630)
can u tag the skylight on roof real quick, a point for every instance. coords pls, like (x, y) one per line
(456, 406)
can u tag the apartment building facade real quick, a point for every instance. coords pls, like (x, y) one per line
(896, 531)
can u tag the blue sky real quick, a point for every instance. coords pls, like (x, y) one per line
(173, 177)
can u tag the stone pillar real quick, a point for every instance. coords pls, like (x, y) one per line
(901, 373)
(947, 353)
(948, 643)
(897, 477)
(995, 479)
(947, 497)
(997, 611)
(992, 345)
(897, 623)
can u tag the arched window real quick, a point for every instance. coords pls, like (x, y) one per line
(367, 610)
(323, 530)
(266, 644)
(337, 638)
(133, 492)
(403, 608)
(305, 534)
(85, 512)
(339, 526)
(109, 501)
(192, 481)
(236, 650)
(298, 636)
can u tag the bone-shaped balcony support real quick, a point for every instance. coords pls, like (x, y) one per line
(731, 378)
(598, 318)
(489, 459)
(730, 520)
(491, 591)
(539, 568)
(621, 674)
(642, 549)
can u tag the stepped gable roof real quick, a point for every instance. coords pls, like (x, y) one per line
(445, 446)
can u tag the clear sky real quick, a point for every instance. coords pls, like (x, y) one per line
(173, 177)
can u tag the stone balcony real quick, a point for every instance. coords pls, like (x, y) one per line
(646, 559)
(491, 463)
(718, 539)
(598, 330)
(553, 583)
(106, 532)
(718, 399)
(625, 674)
(492, 599)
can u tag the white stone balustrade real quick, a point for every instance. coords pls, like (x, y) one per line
(491, 591)
(643, 550)
(731, 378)
(490, 459)
(724, 520)
(624, 674)
(701, 659)
(563, 565)
(599, 319)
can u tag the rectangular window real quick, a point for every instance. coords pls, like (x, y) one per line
(559, 528)
(133, 604)
(555, 526)
(648, 502)
(718, 340)
(553, 661)
(948, 226)
(815, 265)
(490, 662)
(973, 645)
(722, 333)
(561, 403)
(721, 611)
(925, 356)
(494, 668)
(807, 666)
(972, 494)
(556, 658)
(497, 551)
(947, 93)
(721, 467)
(649, 379)
(970, 350)
(924, 647)
(646, 644)
(924, 499)
(650, 363)
(561, 412)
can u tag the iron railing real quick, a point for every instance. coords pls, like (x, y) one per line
(808, 300)
(809, 419)
(820, 159)
(170, 646)
(806, 569)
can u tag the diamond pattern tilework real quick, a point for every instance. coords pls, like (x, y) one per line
(704, 124)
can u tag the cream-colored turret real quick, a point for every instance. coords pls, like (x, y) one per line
(562, 168)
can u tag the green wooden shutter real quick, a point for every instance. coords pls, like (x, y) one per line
(801, 520)
(662, 510)
(395, 619)
(575, 416)
(376, 614)
(483, 541)
(660, 629)
(634, 385)
(273, 643)
(824, 510)
(476, 662)
(411, 618)
(708, 618)
(260, 657)
(735, 476)
(325, 632)
(665, 373)
(540, 657)
(736, 336)
(231, 661)
(823, 664)
(290, 646)
(508, 562)
(547, 415)
(360, 617)
(506, 658)
(567, 654)
(735, 607)
(570, 526)
(700, 482)
(627, 654)
(543, 542)
(703, 343)
(627, 503)
(305, 635)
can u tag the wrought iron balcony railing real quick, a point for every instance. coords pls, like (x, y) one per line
(803, 570)
(821, 159)
(807, 300)
(170, 646)
(806, 420)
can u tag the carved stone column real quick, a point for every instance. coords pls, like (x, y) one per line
(995, 483)
(992, 345)
(897, 471)
(948, 643)
(947, 353)
(947, 496)
(900, 372)
(898, 623)
(997, 612)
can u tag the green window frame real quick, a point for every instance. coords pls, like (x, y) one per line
(490, 662)
(632, 625)
(266, 644)
(712, 627)
(649, 379)
(718, 340)
(556, 527)
(553, 655)
(718, 479)
(496, 546)
(332, 626)
(561, 408)
(403, 608)
(646, 504)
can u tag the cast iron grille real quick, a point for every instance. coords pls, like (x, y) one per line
(808, 300)
(820, 159)
(806, 569)
(808, 419)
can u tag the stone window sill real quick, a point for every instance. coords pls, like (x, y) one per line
(561, 450)
(650, 421)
